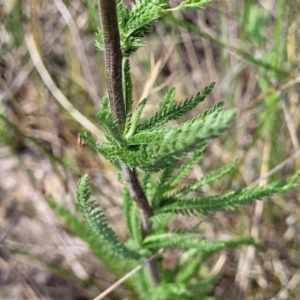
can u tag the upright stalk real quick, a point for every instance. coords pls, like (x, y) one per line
(113, 67)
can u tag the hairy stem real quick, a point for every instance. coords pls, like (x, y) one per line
(113, 58)
(113, 67)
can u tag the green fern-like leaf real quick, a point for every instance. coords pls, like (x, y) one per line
(137, 22)
(191, 261)
(127, 86)
(110, 123)
(160, 222)
(106, 149)
(96, 218)
(123, 14)
(175, 111)
(168, 100)
(131, 218)
(99, 43)
(189, 240)
(142, 15)
(162, 186)
(192, 4)
(184, 169)
(177, 142)
(168, 181)
(147, 137)
(222, 202)
(167, 291)
(208, 179)
(98, 246)
(136, 118)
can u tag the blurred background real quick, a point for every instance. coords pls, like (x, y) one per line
(52, 80)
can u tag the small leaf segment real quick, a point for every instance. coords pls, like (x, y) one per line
(136, 20)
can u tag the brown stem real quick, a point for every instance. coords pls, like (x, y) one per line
(113, 67)
(113, 58)
(138, 195)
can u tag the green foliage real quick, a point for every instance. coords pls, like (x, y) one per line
(96, 219)
(136, 21)
(190, 240)
(131, 218)
(109, 123)
(136, 118)
(164, 156)
(222, 202)
(174, 112)
(183, 170)
(208, 179)
(127, 84)
(84, 231)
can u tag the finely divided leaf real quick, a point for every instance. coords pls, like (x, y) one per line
(185, 168)
(193, 4)
(176, 142)
(208, 179)
(97, 220)
(188, 240)
(110, 123)
(167, 100)
(127, 86)
(131, 218)
(175, 111)
(136, 118)
(221, 202)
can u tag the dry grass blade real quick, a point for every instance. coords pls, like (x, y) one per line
(128, 275)
(56, 92)
(90, 84)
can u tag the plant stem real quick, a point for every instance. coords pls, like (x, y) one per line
(113, 67)
(113, 58)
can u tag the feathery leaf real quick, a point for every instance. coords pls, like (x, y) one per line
(185, 168)
(167, 100)
(96, 218)
(127, 86)
(192, 4)
(177, 142)
(136, 118)
(98, 246)
(189, 240)
(131, 217)
(222, 202)
(110, 123)
(208, 179)
(175, 111)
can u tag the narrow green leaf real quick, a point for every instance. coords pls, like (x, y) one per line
(84, 231)
(127, 86)
(131, 217)
(191, 261)
(177, 142)
(110, 123)
(175, 111)
(192, 4)
(208, 179)
(222, 202)
(136, 118)
(99, 40)
(185, 168)
(188, 240)
(97, 220)
(167, 100)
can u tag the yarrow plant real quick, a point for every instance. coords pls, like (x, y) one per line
(152, 161)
